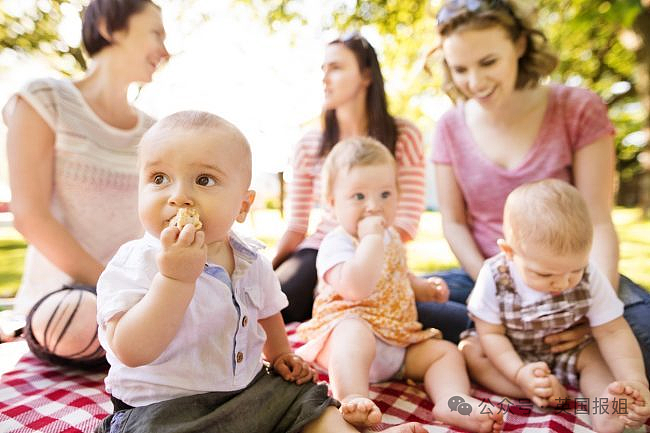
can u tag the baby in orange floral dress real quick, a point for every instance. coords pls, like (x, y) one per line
(364, 327)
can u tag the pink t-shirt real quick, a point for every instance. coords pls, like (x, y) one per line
(574, 118)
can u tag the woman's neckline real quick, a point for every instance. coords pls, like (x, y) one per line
(86, 106)
(532, 150)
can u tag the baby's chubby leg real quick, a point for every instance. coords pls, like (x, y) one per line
(484, 372)
(543, 388)
(632, 399)
(348, 355)
(441, 366)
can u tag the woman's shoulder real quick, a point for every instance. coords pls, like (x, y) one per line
(311, 138)
(453, 118)
(404, 124)
(42, 94)
(571, 97)
(408, 134)
(46, 91)
(308, 147)
(45, 84)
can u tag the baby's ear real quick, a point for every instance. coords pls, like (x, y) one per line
(246, 205)
(505, 248)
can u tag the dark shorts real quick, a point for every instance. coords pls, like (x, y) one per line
(269, 404)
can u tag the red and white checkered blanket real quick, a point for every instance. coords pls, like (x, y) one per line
(37, 397)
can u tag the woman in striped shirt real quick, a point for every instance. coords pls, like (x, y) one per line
(355, 105)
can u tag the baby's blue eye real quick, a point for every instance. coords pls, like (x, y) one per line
(205, 180)
(385, 194)
(359, 196)
(159, 179)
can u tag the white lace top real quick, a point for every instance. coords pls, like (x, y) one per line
(95, 181)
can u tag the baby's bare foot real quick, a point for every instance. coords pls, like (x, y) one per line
(608, 421)
(412, 427)
(360, 411)
(467, 415)
(637, 408)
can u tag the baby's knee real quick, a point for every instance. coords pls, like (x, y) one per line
(471, 350)
(353, 326)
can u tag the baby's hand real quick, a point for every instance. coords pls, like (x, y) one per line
(533, 379)
(371, 225)
(432, 289)
(293, 368)
(183, 254)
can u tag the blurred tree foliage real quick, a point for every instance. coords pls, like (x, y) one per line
(603, 45)
(33, 27)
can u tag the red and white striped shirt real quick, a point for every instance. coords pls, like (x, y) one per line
(304, 192)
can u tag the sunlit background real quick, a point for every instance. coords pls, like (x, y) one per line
(257, 63)
(226, 60)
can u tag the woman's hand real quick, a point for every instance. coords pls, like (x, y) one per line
(569, 339)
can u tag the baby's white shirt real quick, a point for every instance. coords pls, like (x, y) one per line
(219, 344)
(338, 246)
(483, 303)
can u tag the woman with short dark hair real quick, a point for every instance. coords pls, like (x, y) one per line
(71, 148)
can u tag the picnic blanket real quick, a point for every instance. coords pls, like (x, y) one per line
(38, 397)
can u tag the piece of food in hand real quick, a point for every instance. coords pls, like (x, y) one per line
(186, 215)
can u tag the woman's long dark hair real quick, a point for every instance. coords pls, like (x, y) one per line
(381, 125)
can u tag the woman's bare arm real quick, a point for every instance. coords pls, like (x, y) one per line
(593, 173)
(454, 221)
(30, 152)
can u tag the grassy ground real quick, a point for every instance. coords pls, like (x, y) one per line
(428, 252)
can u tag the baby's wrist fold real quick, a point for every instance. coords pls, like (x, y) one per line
(175, 281)
(517, 372)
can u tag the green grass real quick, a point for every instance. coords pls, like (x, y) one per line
(12, 256)
(428, 252)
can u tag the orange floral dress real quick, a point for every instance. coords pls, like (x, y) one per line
(389, 310)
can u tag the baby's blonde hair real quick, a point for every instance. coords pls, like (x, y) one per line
(350, 153)
(549, 213)
(202, 121)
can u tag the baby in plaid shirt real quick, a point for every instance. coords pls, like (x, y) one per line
(543, 283)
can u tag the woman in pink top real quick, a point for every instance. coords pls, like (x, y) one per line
(72, 157)
(355, 105)
(507, 129)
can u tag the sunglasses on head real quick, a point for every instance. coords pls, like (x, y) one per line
(453, 8)
(354, 36)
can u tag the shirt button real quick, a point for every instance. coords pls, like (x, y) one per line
(244, 321)
(240, 357)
